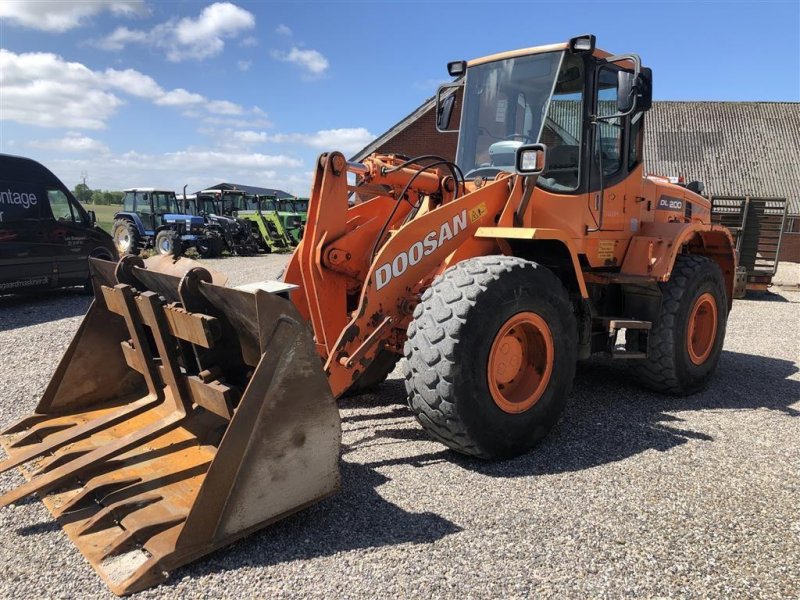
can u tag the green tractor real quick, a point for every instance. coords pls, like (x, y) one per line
(296, 207)
(264, 221)
(291, 220)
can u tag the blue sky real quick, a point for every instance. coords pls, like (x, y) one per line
(137, 92)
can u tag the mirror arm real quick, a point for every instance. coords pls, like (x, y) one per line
(637, 67)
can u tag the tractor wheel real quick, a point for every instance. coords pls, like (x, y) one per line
(166, 242)
(376, 373)
(685, 342)
(490, 356)
(210, 247)
(126, 237)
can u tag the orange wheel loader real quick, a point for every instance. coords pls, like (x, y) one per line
(186, 413)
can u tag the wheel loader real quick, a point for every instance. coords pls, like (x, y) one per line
(186, 413)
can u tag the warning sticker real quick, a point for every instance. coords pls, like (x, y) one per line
(477, 212)
(605, 249)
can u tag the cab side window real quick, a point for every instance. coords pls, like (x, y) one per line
(636, 140)
(143, 204)
(608, 132)
(61, 206)
(127, 202)
(562, 129)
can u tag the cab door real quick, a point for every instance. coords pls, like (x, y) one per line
(69, 237)
(616, 174)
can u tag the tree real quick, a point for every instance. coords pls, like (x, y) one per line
(83, 193)
(97, 198)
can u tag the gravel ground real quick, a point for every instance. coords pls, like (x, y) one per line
(632, 494)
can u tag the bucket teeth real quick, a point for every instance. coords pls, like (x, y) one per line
(115, 512)
(39, 432)
(141, 526)
(92, 492)
(25, 423)
(75, 467)
(73, 433)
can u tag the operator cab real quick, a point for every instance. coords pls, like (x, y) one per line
(584, 105)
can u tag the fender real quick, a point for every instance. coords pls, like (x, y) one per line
(136, 221)
(536, 233)
(653, 252)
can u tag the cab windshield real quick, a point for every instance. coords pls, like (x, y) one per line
(505, 102)
(232, 202)
(207, 205)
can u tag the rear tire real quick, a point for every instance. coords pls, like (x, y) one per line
(682, 358)
(126, 237)
(452, 387)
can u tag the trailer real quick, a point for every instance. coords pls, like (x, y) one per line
(757, 226)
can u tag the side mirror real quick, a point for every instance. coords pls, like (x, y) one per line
(644, 89)
(626, 91)
(92, 217)
(531, 159)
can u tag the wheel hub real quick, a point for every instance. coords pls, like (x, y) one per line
(520, 362)
(702, 330)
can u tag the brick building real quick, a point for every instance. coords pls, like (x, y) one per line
(734, 148)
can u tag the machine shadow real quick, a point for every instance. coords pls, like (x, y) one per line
(356, 517)
(609, 418)
(43, 307)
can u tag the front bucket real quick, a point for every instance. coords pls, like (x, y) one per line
(183, 416)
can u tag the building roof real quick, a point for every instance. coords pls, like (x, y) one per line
(734, 148)
(250, 189)
(429, 104)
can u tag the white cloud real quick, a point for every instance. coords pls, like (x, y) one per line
(311, 61)
(133, 82)
(244, 65)
(45, 90)
(344, 139)
(283, 30)
(179, 97)
(72, 142)
(249, 42)
(188, 38)
(59, 16)
(248, 137)
(223, 107)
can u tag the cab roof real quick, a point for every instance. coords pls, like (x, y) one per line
(528, 51)
(149, 189)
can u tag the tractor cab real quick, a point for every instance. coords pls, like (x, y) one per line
(154, 208)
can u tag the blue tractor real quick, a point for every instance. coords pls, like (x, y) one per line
(152, 218)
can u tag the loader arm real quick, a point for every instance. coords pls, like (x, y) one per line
(358, 291)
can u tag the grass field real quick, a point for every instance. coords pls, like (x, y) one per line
(105, 214)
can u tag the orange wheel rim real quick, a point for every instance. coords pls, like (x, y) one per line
(702, 331)
(520, 362)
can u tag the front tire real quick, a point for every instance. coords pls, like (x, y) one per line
(685, 342)
(167, 242)
(490, 356)
(126, 237)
